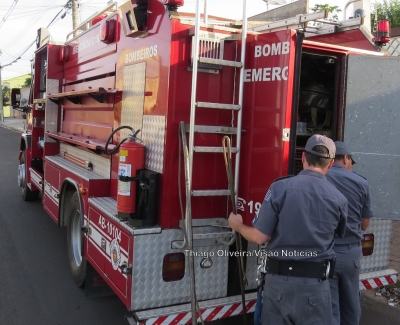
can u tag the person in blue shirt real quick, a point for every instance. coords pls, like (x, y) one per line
(344, 285)
(299, 218)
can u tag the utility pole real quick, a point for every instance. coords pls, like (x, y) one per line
(75, 19)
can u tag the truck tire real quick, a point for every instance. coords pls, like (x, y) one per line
(26, 193)
(75, 241)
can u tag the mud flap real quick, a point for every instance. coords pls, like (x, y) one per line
(95, 286)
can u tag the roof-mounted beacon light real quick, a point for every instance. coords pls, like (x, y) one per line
(107, 31)
(64, 53)
(382, 33)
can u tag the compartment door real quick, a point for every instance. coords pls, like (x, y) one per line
(371, 128)
(108, 248)
(51, 190)
(269, 80)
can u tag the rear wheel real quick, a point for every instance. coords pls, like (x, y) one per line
(75, 241)
(26, 193)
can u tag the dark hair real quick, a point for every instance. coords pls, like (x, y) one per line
(317, 161)
(339, 157)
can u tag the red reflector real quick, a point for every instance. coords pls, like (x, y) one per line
(175, 3)
(64, 53)
(173, 267)
(367, 244)
(107, 31)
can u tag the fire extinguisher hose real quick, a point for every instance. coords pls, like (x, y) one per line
(115, 149)
(226, 144)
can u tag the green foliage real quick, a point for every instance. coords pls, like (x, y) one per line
(27, 82)
(6, 95)
(389, 10)
(332, 10)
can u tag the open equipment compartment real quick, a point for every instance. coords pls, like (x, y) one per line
(318, 99)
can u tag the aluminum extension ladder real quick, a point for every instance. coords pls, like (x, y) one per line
(191, 128)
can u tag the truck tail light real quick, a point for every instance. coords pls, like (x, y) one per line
(173, 267)
(382, 32)
(107, 31)
(173, 3)
(64, 53)
(367, 244)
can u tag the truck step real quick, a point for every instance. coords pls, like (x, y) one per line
(229, 305)
(211, 192)
(219, 106)
(212, 129)
(212, 149)
(225, 63)
(213, 235)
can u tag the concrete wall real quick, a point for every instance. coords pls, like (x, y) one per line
(283, 12)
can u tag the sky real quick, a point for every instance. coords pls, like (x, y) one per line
(20, 20)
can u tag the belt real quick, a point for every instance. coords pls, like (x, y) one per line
(305, 269)
(348, 245)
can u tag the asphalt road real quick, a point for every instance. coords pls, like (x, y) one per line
(35, 283)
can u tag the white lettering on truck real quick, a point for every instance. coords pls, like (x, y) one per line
(86, 44)
(272, 49)
(144, 53)
(268, 73)
(112, 230)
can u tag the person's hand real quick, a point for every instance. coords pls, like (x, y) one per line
(235, 221)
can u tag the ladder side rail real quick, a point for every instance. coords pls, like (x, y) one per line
(240, 99)
(193, 104)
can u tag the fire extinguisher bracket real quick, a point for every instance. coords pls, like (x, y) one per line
(127, 178)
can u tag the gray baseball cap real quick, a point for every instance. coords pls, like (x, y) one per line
(321, 140)
(342, 149)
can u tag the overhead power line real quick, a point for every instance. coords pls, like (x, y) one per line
(56, 17)
(8, 12)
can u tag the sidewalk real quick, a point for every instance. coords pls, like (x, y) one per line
(15, 124)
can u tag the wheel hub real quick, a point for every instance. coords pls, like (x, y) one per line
(21, 175)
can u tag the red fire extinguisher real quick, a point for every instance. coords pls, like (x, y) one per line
(131, 159)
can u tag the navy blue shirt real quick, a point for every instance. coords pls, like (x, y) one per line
(301, 215)
(355, 188)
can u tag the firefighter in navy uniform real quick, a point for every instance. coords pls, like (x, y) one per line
(345, 293)
(299, 217)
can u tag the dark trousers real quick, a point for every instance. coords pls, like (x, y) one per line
(345, 290)
(296, 301)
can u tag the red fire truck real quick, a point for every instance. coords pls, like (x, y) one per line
(124, 145)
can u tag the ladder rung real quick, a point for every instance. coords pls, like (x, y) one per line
(213, 235)
(212, 149)
(211, 192)
(212, 129)
(218, 106)
(225, 63)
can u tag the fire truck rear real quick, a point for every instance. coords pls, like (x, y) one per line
(124, 146)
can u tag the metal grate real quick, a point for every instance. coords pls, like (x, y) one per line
(210, 48)
(393, 48)
(298, 165)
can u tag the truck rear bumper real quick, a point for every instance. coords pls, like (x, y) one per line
(231, 306)
(376, 279)
(181, 314)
